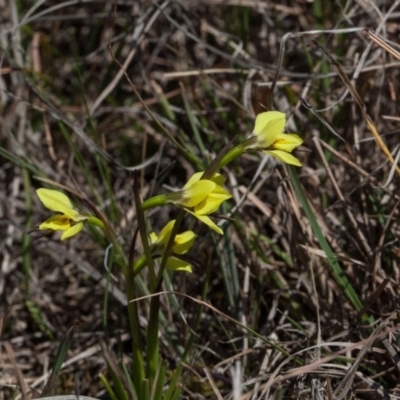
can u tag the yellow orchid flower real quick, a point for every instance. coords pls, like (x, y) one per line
(201, 197)
(182, 243)
(268, 136)
(69, 219)
(198, 197)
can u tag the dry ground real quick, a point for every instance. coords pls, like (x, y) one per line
(204, 70)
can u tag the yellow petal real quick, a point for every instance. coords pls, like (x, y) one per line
(175, 264)
(285, 157)
(213, 201)
(48, 197)
(183, 242)
(153, 237)
(165, 233)
(207, 220)
(59, 202)
(75, 229)
(287, 142)
(218, 179)
(196, 193)
(56, 223)
(268, 126)
(194, 178)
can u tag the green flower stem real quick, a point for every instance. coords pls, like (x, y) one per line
(138, 370)
(140, 207)
(153, 327)
(174, 387)
(146, 246)
(97, 222)
(155, 201)
(138, 365)
(232, 154)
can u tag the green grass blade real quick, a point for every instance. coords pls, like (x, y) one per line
(108, 387)
(336, 269)
(59, 359)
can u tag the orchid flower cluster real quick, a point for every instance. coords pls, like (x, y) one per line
(199, 197)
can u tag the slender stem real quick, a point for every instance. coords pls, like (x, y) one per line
(153, 326)
(232, 154)
(97, 222)
(138, 372)
(155, 201)
(146, 247)
(174, 387)
(138, 365)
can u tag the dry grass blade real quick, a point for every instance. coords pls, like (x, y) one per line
(138, 36)
(358, 168)
(312, 367)
(345, 385)
(212, 383)
(352, 90)
(89, 142)
(384, 45)
(380, 249)
(374, 297)
(282, 48)
(17, 371)
(353, 222)
(112, 363)
(393, 353)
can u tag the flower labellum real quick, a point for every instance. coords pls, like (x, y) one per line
(201, 197)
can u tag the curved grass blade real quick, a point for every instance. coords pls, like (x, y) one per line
(336, 269)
